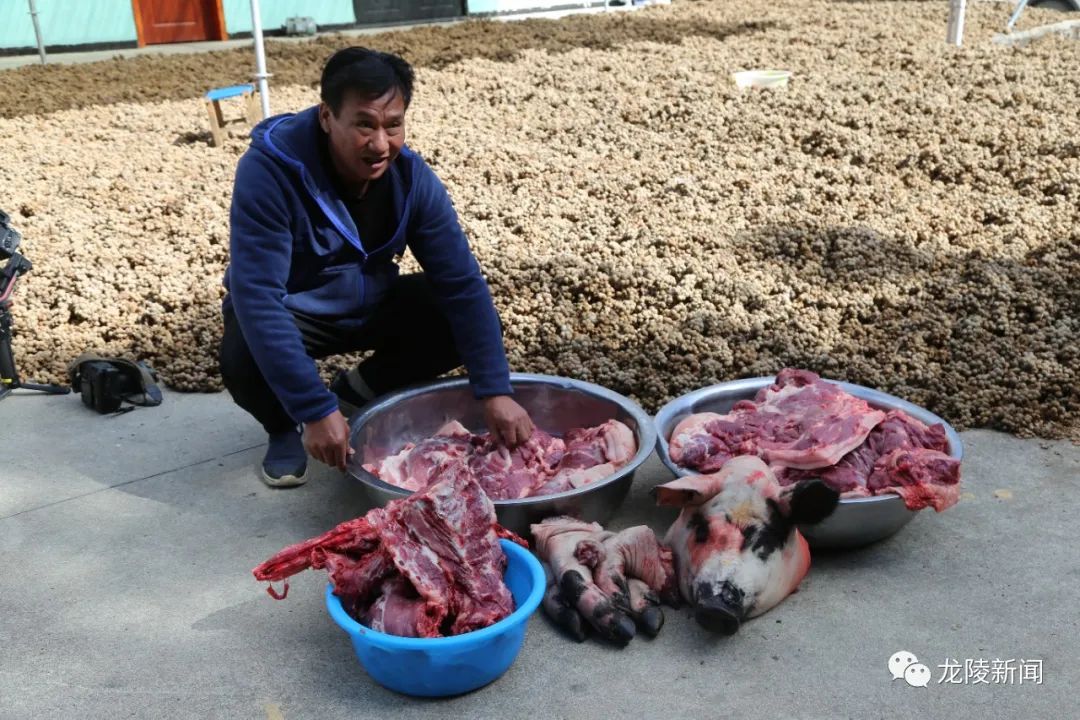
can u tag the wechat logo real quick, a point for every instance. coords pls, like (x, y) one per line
(904, 664)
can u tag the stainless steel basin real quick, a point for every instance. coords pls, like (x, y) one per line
(556, 404)
(856, 521)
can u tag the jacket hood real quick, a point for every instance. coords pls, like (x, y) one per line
(293, 141)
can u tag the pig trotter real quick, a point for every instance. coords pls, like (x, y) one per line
(611, 581)
(651, 621)
(645, 607)
(623, 629)
(589, 553)
(563, 615)
(618, 592)
(608, 620)
(613, 624)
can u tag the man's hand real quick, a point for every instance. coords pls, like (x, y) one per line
(508, 422)
(327, 440)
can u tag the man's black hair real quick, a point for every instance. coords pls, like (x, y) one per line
(369, 73)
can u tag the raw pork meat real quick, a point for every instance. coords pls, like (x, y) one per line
(737, 551)
(616, 581)
(902, 456)
(420, 464)
(425, 566)
(590, 454)
(399, 610)
(541, 466)
(805, 427)
(801, 421)
(923, 478)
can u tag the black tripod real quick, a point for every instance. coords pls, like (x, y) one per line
(17, 265)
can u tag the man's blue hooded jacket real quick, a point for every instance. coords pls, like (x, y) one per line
(294, 247)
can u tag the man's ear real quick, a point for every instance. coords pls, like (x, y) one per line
(324, 117)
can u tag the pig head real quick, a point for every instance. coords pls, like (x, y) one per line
(736, 549)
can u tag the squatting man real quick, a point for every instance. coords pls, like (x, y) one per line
(324, 203)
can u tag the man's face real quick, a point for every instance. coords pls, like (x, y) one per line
(366, 135)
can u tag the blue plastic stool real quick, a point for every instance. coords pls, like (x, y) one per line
(247, 93)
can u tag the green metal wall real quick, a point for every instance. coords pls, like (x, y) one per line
(67, 22)
(274, 13)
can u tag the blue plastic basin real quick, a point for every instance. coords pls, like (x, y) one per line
(438, 667)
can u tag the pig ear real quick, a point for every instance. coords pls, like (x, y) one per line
(692, 490)
(810, 502)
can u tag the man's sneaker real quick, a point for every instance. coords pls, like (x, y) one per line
(349, 400)
(285, 463)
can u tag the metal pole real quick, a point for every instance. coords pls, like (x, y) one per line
(260, 59)
(37, 32)
(1016, 14)
(955, 33)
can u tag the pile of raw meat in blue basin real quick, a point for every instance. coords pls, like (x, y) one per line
(430, 566)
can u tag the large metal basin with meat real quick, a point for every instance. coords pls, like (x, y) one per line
(556, 404)
(856, 521)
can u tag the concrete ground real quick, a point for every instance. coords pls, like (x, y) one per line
(126, 545)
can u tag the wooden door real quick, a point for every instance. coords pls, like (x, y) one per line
(174, 21)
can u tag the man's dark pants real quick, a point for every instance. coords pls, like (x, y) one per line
(408, 333)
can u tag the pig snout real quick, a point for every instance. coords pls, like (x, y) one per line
(719, 610)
